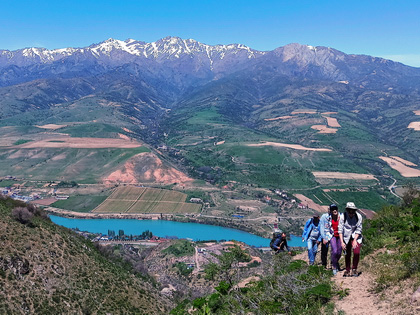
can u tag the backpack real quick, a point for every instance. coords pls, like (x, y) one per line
(275, 236)
(345, 217)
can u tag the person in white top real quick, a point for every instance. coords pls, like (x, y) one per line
(350, 233)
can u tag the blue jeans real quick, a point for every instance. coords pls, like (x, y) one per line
(312, 248)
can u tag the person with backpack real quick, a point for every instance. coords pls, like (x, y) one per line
(280, 244)
(326, 232)
(311, 234)
(329, 233)
(350, 233)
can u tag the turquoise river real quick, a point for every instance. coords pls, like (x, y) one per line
(164, 228)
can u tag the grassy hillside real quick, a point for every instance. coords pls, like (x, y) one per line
(81, 165)
(393, 239)
(47, 269)
(219, 147)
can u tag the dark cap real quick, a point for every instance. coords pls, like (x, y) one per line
(333, 207)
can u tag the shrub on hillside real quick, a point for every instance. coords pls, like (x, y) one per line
(22, 212)
(22, 215)
(286, 288)
(396, 229)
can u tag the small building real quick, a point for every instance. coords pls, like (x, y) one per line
(62, 197)
(196, 200)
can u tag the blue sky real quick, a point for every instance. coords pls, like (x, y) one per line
(389, 29)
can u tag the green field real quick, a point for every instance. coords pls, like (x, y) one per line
(146, 200)
(81, 203)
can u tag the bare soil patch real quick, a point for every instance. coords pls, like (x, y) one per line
(122, 136)
(414, 125)
(408, 163)
(277, 118)
(51, 126)
(88, 143)
(339, 175)
(329, 113)
(220, 142)
(360, 299)
(332, 122)
(311, 204)
(403, 169)
(44, 202)
(324, 129)
(416, 112)
(285, 145)
(247, 205)
(146, 167)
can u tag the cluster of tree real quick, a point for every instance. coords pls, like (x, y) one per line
(66, 184)
(145, 235)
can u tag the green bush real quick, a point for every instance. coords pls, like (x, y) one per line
(180, 248)
(288, 288)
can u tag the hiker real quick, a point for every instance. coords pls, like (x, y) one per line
(311, 234)
(326, 233)
(329, 233)
(350, 233)
(280, 244)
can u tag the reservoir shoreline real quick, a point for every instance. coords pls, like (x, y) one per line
(167, 229)
(222, 222)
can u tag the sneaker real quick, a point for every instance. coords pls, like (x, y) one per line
(347, 273)
(334, 272)
(354, 273)
(311, 263)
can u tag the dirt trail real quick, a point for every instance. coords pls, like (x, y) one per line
(360, 300)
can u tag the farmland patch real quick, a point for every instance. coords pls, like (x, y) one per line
(414, 125)
(403, 169)
(324, 129)
(133, 199)
(285, 145)
(408, 163)
(341, 175)
(305, 201)
(82, 143)
(51, 126)
(332, 122)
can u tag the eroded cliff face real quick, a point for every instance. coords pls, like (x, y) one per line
(146, 168)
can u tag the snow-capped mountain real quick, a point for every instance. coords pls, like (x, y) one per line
(186, 63)
(166, 48)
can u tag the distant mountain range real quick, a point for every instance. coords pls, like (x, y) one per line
(152, 89)
(191, 59)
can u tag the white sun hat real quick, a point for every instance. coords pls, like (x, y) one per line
(351, 205)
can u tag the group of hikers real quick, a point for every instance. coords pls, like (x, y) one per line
(343, 232)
